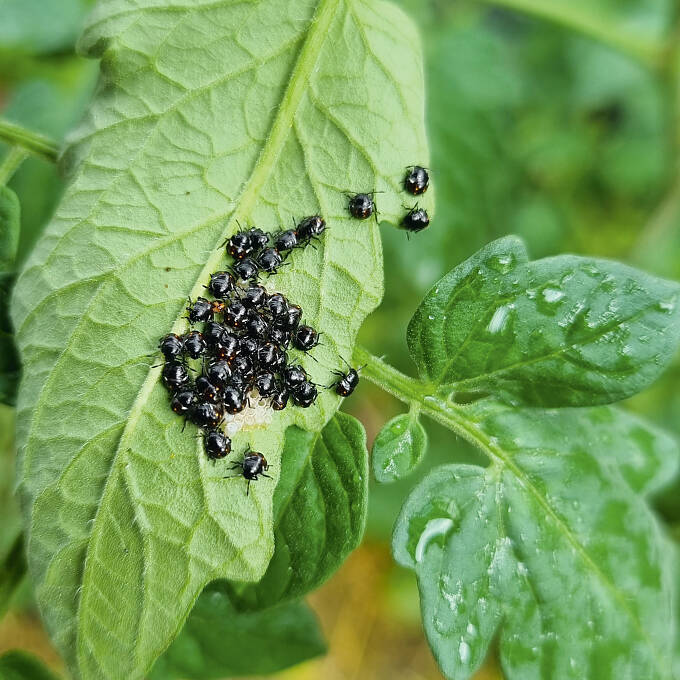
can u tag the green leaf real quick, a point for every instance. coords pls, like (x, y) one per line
(320, 510)
(552, 548)
(219, 642)
(18, 665)
(49, 102)
(9, 359)
(399, 448)
(562, 331)
(12, 572)
(293, 104)
(10, 228)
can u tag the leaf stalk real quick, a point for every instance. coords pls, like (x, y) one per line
(32, 142)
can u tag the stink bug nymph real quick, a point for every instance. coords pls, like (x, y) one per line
(347, 382)
(417, 180)
(200, 310)
(171, 346)
(416, 219)
(175, 376)
(254, 465)
(311, 227)
(305, 338)
(361, 206)
(217, 444)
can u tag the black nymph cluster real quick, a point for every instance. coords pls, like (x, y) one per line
(242, 351)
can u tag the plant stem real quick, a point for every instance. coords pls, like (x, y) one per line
(651, 53)
(409, 390)
(14, 158)
(32, 142)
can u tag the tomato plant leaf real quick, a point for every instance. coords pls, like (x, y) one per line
(19, 665)
(551, 547)
(398, 448)
(562, 331)
(207, 115)
(319, 512)
(12, 572)
(10, 228)
(219, 642)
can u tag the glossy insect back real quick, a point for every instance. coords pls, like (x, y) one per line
(416, 219)
(361, 206)
(417, 180)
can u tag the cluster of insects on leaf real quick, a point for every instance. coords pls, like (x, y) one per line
(245, 372)
(416, 182)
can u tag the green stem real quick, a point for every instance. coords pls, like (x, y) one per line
(409, 390)
(649, 52)
(32, 142)
(14, 158)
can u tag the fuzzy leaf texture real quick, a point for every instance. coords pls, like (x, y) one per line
(551, 549)
(208, 114)
(562, 331)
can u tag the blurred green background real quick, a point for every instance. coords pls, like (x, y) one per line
(558, 120)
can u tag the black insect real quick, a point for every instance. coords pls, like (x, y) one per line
(236, 314)
(218, 373)
(277, 304)
(183, 401)
(221, 284)
(242, 365)
(227, 347)
(305, 395)
(195, 344)
(242, 383)
(417, 180)
(249, 347)
(207, 415)
(280, 398)
(257, 239)
(233, 399)
(279, 336)
(270, 356)
(254, 296)
(246, 269)
(285, 240)
(206, 390)
(361, 206)
(269, 260)
(171, 346)
(265, 383)
(294, 376)
(175, 376)
(201, 310)
(348, 381)
(238, 246)
(311, 227)
(305, 338)
(256, 326)
(290, 319)
(416, 219)
(254, 465)
(217, 444)
(212, 333)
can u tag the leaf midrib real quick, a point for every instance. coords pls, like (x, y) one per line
(304, 65)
